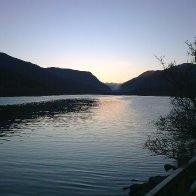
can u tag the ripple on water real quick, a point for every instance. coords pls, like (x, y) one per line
(77, 145)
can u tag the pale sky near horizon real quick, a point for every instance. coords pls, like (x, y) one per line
(116, 40)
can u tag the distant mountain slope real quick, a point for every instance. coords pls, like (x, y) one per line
(113, 86)
(157, 82)
(83, 77)
(18, 78)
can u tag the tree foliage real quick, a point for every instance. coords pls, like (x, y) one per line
(176, 132)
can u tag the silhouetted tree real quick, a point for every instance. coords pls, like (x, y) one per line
(176, 132)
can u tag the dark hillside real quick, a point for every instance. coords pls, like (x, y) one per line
(161, 82)
(20, 78)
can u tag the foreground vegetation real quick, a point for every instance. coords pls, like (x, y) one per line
(175, 135)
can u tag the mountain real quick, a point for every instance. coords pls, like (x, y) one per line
(20, 78)
(113, 86)
(82, 77)
(160, 83)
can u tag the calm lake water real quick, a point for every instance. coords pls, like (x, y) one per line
(77, 145)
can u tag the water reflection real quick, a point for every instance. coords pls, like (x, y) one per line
(15, 115)
(77, 146)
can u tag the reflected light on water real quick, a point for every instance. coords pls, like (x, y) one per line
(77, 146)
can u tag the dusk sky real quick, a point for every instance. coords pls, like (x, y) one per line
(116, 40)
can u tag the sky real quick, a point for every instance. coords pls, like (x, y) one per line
(116, 40)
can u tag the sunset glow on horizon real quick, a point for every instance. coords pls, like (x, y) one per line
(115, 40)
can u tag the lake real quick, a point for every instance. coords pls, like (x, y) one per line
(77, 145)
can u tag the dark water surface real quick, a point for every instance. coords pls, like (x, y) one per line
(76, 145)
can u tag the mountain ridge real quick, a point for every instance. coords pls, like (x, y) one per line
(21, 78)
(156, 82)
